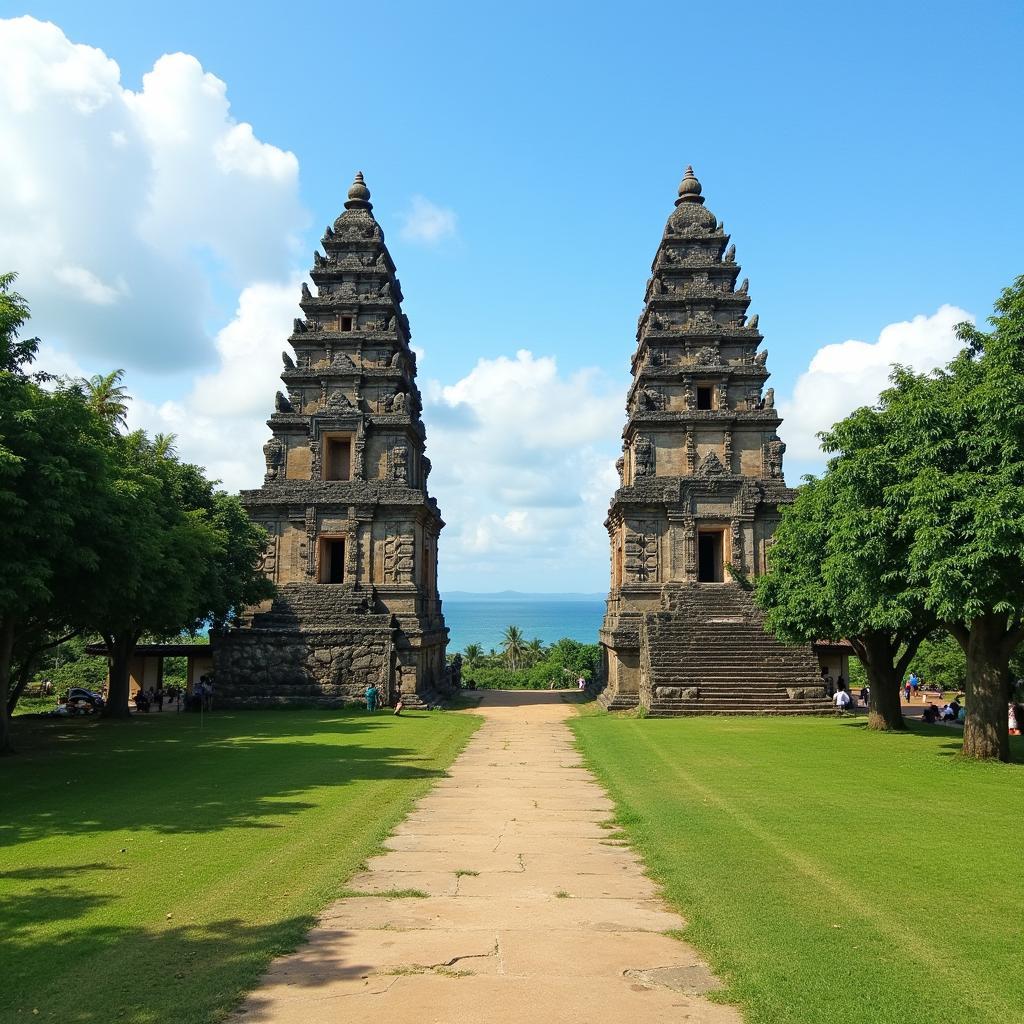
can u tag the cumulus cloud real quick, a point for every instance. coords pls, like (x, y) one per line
(125, 212)
(427, 223)
(524, 468)
(844, 376)
(220, 423)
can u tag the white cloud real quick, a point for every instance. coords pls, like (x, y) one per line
(221, 424)
(524, 470)
(427, 223)
(121, 207)
(844, 376)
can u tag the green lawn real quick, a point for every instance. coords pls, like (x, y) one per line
(832, 875)
(149, 870)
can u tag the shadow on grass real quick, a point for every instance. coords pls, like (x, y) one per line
(182, 973)
(918, 729)
(236, 769)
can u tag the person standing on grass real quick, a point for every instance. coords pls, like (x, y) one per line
(371, 697)
(915, 682)
(842, 701)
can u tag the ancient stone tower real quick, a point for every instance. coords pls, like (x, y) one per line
(701, 487)
(353, 531)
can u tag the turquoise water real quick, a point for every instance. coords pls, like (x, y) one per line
(484, 622)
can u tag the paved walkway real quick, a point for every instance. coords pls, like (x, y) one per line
(532, 912)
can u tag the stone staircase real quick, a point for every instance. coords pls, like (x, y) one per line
(707, 653)
(314, 605)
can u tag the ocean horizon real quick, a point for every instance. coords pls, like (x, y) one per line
(483, 618)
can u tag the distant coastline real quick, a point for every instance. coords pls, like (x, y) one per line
(483, 618)
(518, 595)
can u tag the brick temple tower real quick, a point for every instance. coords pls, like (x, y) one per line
(353, 531)
(701, 486)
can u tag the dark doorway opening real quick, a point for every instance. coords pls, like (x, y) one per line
(709, 556)
(337, 458)
(704, 398)
(333, 565)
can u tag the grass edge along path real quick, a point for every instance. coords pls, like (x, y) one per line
(828, 873)
(150, 870)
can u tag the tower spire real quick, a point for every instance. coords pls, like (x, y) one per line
(689, 188)
(358, 194)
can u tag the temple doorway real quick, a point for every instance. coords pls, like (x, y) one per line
(709, 556)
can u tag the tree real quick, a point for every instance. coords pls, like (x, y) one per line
(185, 555)
(958, 502)
(534, 652)
(473, 655)
(513, 647)
(15, 354)
(836, 570)
(55, 503)
(107, 398)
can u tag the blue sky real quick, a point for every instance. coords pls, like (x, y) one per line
(866, 160)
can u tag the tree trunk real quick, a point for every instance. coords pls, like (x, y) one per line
(986, 723)
(876, 654)
(15, 692)
(120, 647)
(6, 653)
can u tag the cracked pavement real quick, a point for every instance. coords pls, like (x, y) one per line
(531, 913)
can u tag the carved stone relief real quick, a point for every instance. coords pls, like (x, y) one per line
(643, 457)
(399, 554)
(642, 553)
(273, 452)
(773, 451)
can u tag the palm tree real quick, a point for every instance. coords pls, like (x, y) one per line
(106, 397)
(513, 648)
(472, 655)
(534, 651)
(164, 445)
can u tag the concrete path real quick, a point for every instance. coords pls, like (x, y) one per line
(532, 912)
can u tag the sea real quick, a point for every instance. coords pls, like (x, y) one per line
(483, 618)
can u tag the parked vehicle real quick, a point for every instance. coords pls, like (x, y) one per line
(82, 698)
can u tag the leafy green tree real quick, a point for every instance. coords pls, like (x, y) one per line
(185, 555)
(836, 568)
(55, 504)
(957, 499)
(107, 398)
(513, 647)
(473, 655)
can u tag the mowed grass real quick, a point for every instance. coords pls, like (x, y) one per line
(830, 874)
(149, 870)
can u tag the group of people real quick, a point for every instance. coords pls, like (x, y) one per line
(200, 699)
(951, 712)
(155, 696)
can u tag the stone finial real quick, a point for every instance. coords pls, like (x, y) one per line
(689, 188)
(358, 194)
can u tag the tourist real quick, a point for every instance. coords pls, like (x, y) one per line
(371, 697)
(906, 691)
(915, 683)
(159, 698)
(399, 706)
(865, 696)
(581, 684)
(841, 684)
(841, 701)
(931, 714)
